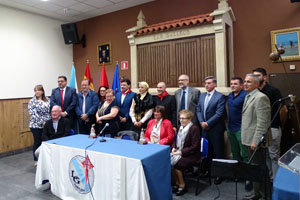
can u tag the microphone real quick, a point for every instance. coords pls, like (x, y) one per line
(101, 132)
(290, 96)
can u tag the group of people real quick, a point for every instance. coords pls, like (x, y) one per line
(189, 115)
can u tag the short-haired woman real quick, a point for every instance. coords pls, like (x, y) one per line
(108, 113)
(159, 130)
(185, 151)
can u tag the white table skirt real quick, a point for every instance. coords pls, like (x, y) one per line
(115, 177)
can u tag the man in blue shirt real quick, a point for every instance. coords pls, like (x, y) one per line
(235, 107)
(86, 107)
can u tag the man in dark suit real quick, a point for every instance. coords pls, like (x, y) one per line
(168, 101)
(210, 113)
(86, 107)
(57, 126)
(124, 101)
(66, 98)
(186, 97)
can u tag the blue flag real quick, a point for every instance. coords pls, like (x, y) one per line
(116, 81)
(73, 82)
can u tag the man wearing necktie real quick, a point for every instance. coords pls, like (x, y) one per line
(210, 113)
(66, 98)
(186, 97)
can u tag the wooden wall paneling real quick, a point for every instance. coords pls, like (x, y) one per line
(14, 134)
(166, 61)
(208, 56)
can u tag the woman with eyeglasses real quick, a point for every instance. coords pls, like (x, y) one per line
(101, 93)
(159, 130)
(185, 151)
(108, 113)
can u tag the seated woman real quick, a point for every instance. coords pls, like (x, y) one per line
(185, 151)
(108, 113)
(141, 108)
(159, 129)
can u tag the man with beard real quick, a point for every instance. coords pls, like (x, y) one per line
(124, 101)
(186, 97)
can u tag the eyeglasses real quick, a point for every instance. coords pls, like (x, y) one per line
(183, 118)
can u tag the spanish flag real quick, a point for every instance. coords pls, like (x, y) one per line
(87, 75)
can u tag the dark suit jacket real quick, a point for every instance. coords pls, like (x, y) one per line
(69, 100)
(125, 107)
(91, 104)
(193, 97)
(215, 112)
(169, 103)
(63, 129)
(191, 149)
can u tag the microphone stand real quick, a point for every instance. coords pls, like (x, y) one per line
(102, 132)
(262, 143)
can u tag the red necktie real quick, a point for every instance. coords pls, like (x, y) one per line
(62, 100)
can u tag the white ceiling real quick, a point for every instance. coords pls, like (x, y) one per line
(71, 10)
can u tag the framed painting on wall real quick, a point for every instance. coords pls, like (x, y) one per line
(289, 40)
(104, 53)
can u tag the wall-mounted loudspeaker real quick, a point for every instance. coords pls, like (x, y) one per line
(70, 33)
(293, 1)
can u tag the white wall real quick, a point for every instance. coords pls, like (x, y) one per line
(32, 51)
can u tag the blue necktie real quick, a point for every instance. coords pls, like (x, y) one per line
(182, 102)
(206, 104)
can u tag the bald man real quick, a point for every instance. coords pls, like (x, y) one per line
(168, 101)
(57, 126)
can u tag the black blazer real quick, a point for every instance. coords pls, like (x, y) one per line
(63, 129)
(169, 103)
(70, 100)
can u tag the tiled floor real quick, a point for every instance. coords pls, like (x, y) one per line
(17, 175)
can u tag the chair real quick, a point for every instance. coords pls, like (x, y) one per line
(72, 132)
(128, 135)
(203, 167)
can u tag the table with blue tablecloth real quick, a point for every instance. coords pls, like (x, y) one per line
(286, 185)
(115, 169)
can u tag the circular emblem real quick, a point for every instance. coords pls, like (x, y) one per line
(81, 174)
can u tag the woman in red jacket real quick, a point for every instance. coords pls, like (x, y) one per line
(159, 130)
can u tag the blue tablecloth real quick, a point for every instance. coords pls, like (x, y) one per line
(286, 185)
(155, 159)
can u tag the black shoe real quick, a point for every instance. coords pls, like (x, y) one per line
(248, 186)
(174, 188)
(181, 191)
(218, 181)
(251, 197)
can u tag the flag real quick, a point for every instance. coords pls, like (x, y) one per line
(73, 82)
(103, 80)
(116, 81)
(87, 75)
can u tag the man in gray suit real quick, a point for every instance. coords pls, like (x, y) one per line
(256, 117)
(186, 97)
